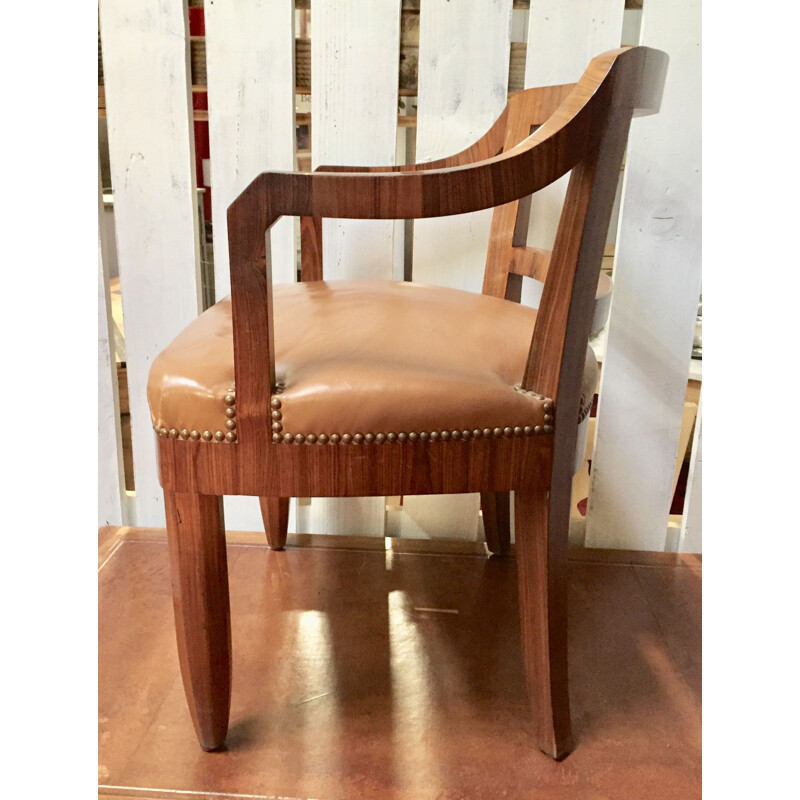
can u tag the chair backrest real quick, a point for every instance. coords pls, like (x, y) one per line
(582, 130)
(508, 258)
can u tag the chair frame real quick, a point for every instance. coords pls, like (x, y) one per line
(582, 128)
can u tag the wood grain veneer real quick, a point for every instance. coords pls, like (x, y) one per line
(581, 128)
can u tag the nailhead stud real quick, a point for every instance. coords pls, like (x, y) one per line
(548, 417)
(508, 431)
(380, 438)
(445, 435)
(230, 399)
(335, 438)
(413, 436)
(466, 434)
(230, 412)
(184, 434)
(230, 436)
(275, 403)
(548, 429)
(311, 438)
(455, 434)
(195, 435)
(517, 431)
(173, 433)
(219, 436)
(498, 432)
(487, 432)
(347, 438)
(288, 438)
(162, 431)
(547, 406)
(208, 436)
(231, 424)
(358, 438)
(323, 438)
(391, 437)
(277, 415)
(423, 435)
(538, 429)
(434, 435)
(276, 426)
(401, 437)
(276, 437)
(369, 438)
(528, 430)
(299, 438)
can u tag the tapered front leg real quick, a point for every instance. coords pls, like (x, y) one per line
(196, 533)
(275, 513)
(496, 510)
(541, 549)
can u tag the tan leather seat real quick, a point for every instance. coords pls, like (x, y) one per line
(364, 357)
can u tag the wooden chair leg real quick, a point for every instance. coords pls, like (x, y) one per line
(541, 549)
(496, 508)
(196, 534)
(275, 513)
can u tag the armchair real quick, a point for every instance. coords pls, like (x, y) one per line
(356, 388)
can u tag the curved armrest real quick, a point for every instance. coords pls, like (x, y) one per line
(617, 81)
(540, 103)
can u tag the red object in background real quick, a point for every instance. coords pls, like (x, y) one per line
(202, 150)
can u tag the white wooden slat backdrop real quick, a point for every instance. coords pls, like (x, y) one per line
(656, 292)
(463, 75)
(251, 99)
(151, 150)
(355, 52)
(562, 39)
(463, 88)
(111, 476)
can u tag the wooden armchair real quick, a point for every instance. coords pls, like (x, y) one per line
(355, 388)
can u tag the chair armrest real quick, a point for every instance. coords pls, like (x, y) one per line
(612, 83)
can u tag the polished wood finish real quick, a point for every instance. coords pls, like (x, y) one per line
(202, 613)
(275, 512)
(542, 580)
(581, 128)
(496, 510)
(341, 691)
(311, 248)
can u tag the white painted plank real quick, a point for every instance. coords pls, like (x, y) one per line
(251, 105)
(562, 40)
(463, 83)
(691, 540)
(110, 471)
(355, 51)
(657, 286)
(250, 67)
(150, 136)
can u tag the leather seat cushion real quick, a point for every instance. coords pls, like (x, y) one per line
(364, 357)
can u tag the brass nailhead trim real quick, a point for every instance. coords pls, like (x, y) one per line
(413, 436)
(278, 436)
